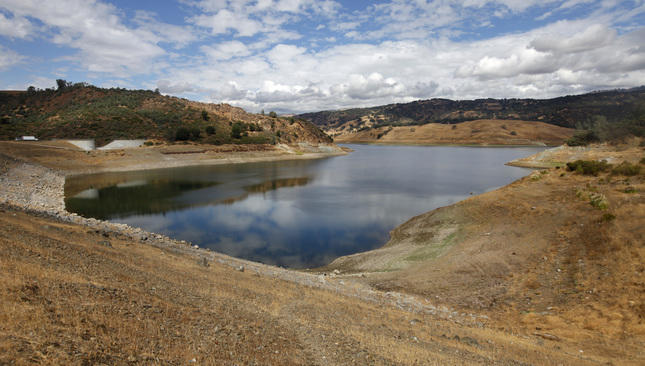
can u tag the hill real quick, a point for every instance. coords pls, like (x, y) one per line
(479, 132)
(575, 111)
(85, 111)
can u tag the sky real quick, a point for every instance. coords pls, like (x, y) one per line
(295, 56)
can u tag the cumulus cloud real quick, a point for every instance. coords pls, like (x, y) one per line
(8, 58)
(95, 29)
(595, 36)
(15, 27)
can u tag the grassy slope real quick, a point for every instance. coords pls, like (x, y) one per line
(68, 298)
(107, 114)
(493, 132)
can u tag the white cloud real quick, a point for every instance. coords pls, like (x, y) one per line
(16, 27)
(226, 50)
(9, 58)
(595, 36)
(95, 29)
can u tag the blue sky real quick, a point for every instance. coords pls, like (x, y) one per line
(307, 55)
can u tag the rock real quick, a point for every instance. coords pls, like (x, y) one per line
(336, 272)
(204, 262)
(548, 336)
(105, 243)
(240, 268)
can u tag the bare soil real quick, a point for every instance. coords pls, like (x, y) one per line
(69, 159)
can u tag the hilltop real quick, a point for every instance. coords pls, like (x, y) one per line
(88, 112)
(585, 111)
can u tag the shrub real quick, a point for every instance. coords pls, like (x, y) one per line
(599, 201)
(588, 167)
(148, 143)
(182, 134)
(607, 217)
(627, 169)
(582, 138)
(205, 115)
(210, 130)
(194, 134)
(237, 129)
(513, 133)
(272, 114)
(642, 161)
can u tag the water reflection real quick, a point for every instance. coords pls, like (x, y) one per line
(296, 213)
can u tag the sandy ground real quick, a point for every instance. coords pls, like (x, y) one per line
(529, 274)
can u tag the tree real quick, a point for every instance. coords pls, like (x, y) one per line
(272, 114)
(236, 130)
(62, 84)
(182, 134)
(205, 115)
(31, 89)
(194, 134)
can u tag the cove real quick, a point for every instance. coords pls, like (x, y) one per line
(300, 213)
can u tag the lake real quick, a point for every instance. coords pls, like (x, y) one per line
(300, 213)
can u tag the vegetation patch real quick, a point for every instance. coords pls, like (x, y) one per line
(627, 169)
(588, 167)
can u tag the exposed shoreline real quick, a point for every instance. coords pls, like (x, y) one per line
(486, 228)
(39, 191)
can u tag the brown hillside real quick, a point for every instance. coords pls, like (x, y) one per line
(479, 132)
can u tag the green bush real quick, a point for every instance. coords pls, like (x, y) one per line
(182, 134)
(272, 114)
(210, 130)
(627, 169)
(205, 115)
(513, 133)
(642, 161)
(237, 129)
(588, 167)
(582, 138)
(607, 217)
(194, 134)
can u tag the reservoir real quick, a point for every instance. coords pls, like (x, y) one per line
(300, 213)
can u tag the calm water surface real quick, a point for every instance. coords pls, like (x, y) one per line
(295, 213)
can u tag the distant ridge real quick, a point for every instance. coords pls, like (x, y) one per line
(573, 111)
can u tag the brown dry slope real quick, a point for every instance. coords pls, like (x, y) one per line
(479, 132)
(73, 296)
(536, 256)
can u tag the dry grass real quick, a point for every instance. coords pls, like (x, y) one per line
(66, 299)
(480, 132)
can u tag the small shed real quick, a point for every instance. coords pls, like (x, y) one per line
(26, 138)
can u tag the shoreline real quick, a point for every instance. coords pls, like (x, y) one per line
(480, 227)
(38, 191)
